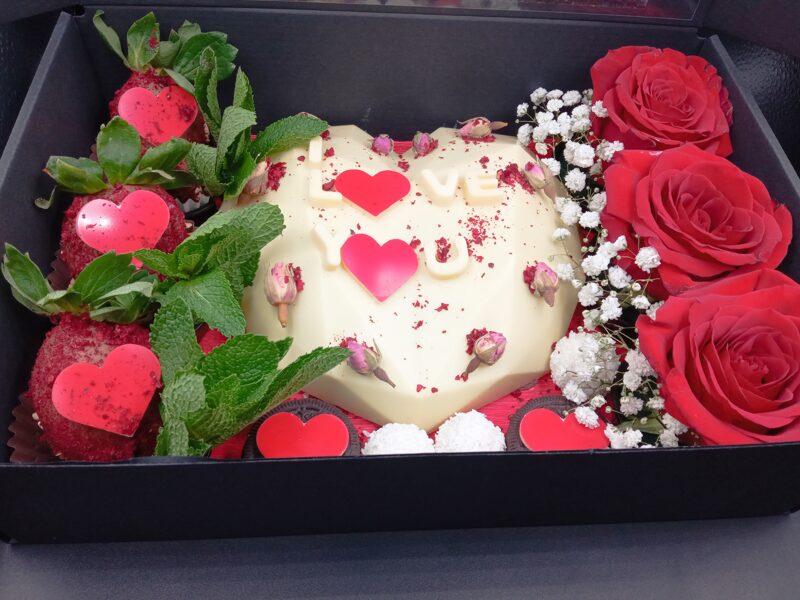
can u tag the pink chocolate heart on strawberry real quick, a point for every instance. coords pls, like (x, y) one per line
(158, 118)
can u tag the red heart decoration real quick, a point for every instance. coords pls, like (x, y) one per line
(373, 193)
(542, 429)
(284, 435)
(380, 269)
(113, 397)
(158, 118)
(138, 222)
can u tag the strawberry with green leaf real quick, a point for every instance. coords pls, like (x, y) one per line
(120, 169)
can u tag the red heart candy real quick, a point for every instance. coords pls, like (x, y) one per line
(542, 429)
(373, 193)
(113, 397)
(284, 435)
(158, 118)
(138, 222)
(381, 269)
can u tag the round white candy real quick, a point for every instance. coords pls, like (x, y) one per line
(469, 432)
(398, 438)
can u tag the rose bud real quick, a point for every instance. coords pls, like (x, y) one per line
(542, 281)
(382, 144)
(281, 289)
(488, 349)
(479, 127)
(365, 360)
(535, 175)
(256, 185)
(423, 143)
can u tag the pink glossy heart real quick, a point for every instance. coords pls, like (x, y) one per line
(380, 269)
(137, 222)
(284, 435)
(112, 397)
(373, 193)
(541, 429)
(158, 118)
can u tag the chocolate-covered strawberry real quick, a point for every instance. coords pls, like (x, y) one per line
(118, 172)
(157, 97)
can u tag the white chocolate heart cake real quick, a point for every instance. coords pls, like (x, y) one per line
(410, 262)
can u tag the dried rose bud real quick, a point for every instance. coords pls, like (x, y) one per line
(423, 143)
(281, 289)
(257, 184)
(479, 127)
(541, 280)
(488, 349)
(383, 144)
(365, 360)
(535, 175)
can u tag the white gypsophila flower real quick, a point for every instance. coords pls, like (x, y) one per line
(638, 363)
(591, 319)
(522, 109)
(554, 94)
(575, 180)
(565, 272)
(543, 117)
(582, 156)
(581, 125)
(587, 417)
(569, 150)
(640, 302)
(651, 312)
(571, 97)
(673, 424)
(577, 283)
(632, 380)
(594, 264)
(647, 258)
(596, 169)
(541, 148)
(571, 212)
(630, 405)
(564, 118)
(599, 110)
(598, 201)
(608, 249)
(588, 95)
(539, 134)
(552, 128)
(588, 360)
(606, 150)
(590, 294)
(565, 130)
(538, 95)
(656, 403)
(573, 392)
(610, 309)
(580, 112)
(561, 201)
(560, 234)
(621, 243)
(552, 164)
(590, 219)
(524, 134)
(668, 439)
(623, 440)
(618, 278)
(597, 402)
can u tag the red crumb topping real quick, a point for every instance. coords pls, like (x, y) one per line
(417, 325)
(403, 164)
(325, 135)
(414, 243)
(275, 174)
(297, 275)
(329, 152)
(442, 250)
(527, 277)
(484, 139)
(420, 387)
(301, 158)
(442, 307)
(484, 160)
(329, 185)
(434, 390)
(512, 176)
(472, 337)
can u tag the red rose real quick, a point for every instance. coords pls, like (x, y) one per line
(705, 216)
(659, 99)
(728, 356)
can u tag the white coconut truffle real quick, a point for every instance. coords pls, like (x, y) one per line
(469, 432)
(397, 438)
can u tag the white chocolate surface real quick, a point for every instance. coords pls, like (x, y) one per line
(424, 349)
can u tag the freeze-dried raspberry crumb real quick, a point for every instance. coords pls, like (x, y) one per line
(472, 337)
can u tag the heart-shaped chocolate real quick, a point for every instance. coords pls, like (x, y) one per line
(158, 118)
(373, 193)
(380, 269)
(112, 397)
(540, 426)
(137, 222)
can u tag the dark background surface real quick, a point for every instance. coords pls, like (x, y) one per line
(754, 558)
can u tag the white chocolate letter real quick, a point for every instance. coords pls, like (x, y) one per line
(315, 153)
(482, 189)
(318, 197)
(440, 194)
(454, 266)
(330, 245)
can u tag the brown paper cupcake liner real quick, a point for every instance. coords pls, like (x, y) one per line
(25, 442)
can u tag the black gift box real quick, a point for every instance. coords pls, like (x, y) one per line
(389, 69)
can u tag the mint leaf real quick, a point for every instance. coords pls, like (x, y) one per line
(109, 36)
(174, 340)
(165, 156)
(185, 31)
(212, 301)
(103, 275)
(202, 164)
(118, 147)
(183, 396)
(143, 39)
(285, 134)
(159, 261)
(247, 357)
(180, 80)
(235, 122)
(188, 59)
(243, 92)
(244, 169)
(28, 285)
(76, 175)
(169, 180)
(205, 91)
(173, 439)
(167, 51)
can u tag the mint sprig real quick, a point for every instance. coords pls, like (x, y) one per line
(207, 399)
(225, 170)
